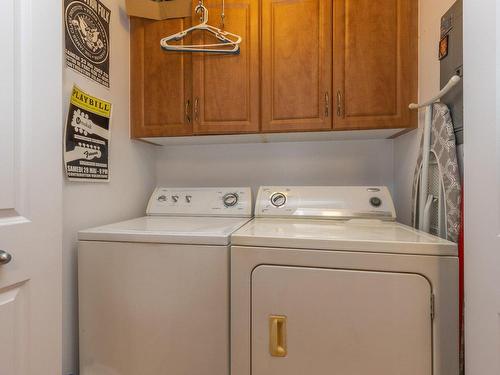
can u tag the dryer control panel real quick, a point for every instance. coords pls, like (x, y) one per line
(201, 202)
(326, 202)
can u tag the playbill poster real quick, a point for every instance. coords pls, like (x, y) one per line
(86, 138)
(87, 39)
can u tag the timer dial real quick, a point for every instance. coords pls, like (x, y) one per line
(278, 199)
(375, 201)
(230, 199)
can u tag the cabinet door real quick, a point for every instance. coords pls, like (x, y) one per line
(375, 63)
(226, 87)
(296, 65)
(160, 81)
(340, 322)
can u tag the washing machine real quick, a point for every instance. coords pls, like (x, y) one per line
(325, 281)
(154, 291)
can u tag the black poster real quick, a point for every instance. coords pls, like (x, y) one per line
(86, 139)
(87, 39)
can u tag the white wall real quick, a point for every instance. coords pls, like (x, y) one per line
(132, 177)
(137, 167)
(301, 163)
(406, 146)
(482, 186)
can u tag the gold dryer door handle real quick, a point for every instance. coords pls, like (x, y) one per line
(277, 336)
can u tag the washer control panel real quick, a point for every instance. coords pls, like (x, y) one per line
(201, 202)
(326, 202)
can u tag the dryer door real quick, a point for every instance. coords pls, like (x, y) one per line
(328, 321)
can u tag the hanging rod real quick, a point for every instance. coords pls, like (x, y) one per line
(451, 83)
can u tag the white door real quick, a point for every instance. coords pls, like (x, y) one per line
(328, 321)
(30, 187)
(482, 186)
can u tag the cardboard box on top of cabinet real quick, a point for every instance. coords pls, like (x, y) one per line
(159, 9)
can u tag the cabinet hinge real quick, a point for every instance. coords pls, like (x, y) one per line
(433, 306)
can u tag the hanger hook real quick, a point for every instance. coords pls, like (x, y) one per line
(202, 11)
(222, 15)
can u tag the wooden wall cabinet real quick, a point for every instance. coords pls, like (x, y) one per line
(296, 65)
(305, 65)
(226, 87)
(161, 87)
(375, 63)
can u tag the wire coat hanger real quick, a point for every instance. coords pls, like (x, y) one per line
(229, 42)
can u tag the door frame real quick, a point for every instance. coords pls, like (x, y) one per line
(481, 186)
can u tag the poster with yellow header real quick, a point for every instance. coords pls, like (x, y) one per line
(86, 138)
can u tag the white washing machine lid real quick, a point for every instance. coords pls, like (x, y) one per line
(167, 230)
(351, 235)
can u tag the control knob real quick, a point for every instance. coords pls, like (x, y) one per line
(230, 199)
(375, 201)
(278, 199)
(5, 257)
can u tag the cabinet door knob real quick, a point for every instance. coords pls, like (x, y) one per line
(187, 111)
(339, 104)
(327, 104)
(5, 257)
(196, 101)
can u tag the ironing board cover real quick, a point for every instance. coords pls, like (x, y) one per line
(443, 146)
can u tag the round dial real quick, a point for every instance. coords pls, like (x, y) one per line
(375, 201)
(230, 199)
(278, 199)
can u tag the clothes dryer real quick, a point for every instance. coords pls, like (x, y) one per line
(325, 281)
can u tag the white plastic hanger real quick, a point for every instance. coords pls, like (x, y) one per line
(229, 42)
